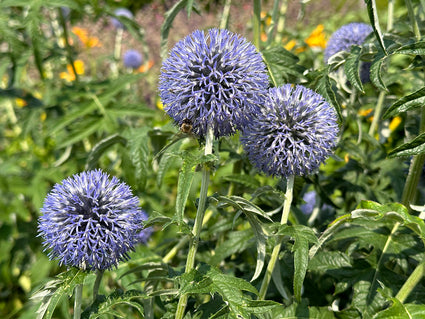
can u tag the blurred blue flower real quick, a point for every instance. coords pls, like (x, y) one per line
(121, 12)
(90, 221)
(310, 202)
(145, 233)
(132, 59)
(344, 38)
(214, 78)
(293, 134)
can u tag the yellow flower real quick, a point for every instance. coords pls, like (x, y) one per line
(20, 102)
(317, 38)
(365, 112)
(43, 116)
(70, 75)
(159, 104)
(395, 122)
(86, 40)
(290, 45)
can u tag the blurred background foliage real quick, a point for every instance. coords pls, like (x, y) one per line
(67, 103)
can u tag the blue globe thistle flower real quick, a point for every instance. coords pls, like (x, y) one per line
(310, 202)
(293, 134)
(90, 221)
(213, 78)
(344, 38)
(132, 59)
(121, 12)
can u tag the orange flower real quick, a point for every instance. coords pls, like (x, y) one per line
(86, 40)
(317, 38)
(290, 45)
(365, 112)
(146, 66)
(70, 75)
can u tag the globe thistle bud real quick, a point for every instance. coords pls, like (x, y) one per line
(214, 78)
(132, 59)
(293, 134)
(344, 38)
(121, 12)
(90, 221)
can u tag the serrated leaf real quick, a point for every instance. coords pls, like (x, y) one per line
(138, 144)
(328, 260)
(406, 103)
(241, 204)
(396, 311)
(256, 226)
(324, 88)
(103, 305)
(54, 290)
(375, 71)
(97, 151)
(414, 147)
(352, 68)
(281, 65)
(374, 19)
(416, 48)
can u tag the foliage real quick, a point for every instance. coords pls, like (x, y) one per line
(359, 254)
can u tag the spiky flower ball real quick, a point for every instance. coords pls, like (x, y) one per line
(344, 38)
(132, 59)
(121, 12)
(213, 78)
(90, 221)
(293, 134)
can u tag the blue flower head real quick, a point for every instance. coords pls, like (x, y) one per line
(132, 59)
(121, 12)
(293, 134)
(214, 78)
(310, 202)
(344, 38)
(90, 221)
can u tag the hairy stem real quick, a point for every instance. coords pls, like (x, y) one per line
(99, 275)
(256, 23)
(225, 15)
(411, 282)
(275, 253)
(378, 112)
(196, 232)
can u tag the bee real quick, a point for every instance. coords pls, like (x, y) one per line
(186, 126)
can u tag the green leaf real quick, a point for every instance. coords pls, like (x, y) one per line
(168, 21)
(375, 71)
(374, 20)
(324, 88)
(103, 305)
(302, 235)
(414, 147)
(249, 181)
(54, 290)
(138, 143)
(101, 147)
(281, 64)
(352, 67)
(416, 48)
(396, 311)
(241, 204)
(406, 103)
(327, 260)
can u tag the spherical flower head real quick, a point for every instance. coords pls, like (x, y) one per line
(293, 134)
(132, 59)
(345, 37)
(121, 12)
(90, 221)
(214, 78)
(310, 202)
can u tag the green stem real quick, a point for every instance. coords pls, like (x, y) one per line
(378, 112)
(281, 22)
(196, 232)
(412, 18)
(256, 23)
(78, 301)
(275, 253)
(117, 51)
(99, 275)
(68, 47)
(390, 15)
(275, 13)
(411, 282)
(225, 15)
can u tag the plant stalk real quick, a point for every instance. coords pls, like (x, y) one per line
(256, 24)
(412, 18)
(78, 301)
(378, 112)
(275, 253)
(281, 22)
(411, 282)
(196, 232)
(99, 275)
(225, 15)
